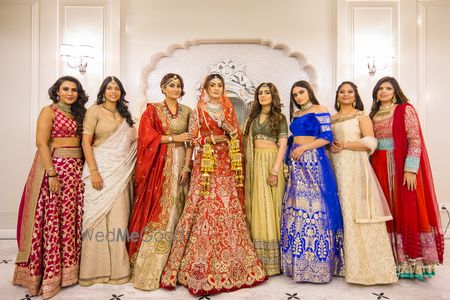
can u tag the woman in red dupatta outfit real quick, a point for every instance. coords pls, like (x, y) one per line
(403, 170)
(212, 251)
(162, 173)
(50, 212)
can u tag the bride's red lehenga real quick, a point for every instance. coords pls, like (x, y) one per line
(212, 251)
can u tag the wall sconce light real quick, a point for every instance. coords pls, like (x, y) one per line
(77, 57)
(380, 61)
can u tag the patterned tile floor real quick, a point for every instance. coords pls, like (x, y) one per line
(278, 287)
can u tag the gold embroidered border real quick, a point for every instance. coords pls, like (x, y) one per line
(346, 118)
(167, 199)
(32, 192)
(22, 277)
(68, 152)
(103, 279)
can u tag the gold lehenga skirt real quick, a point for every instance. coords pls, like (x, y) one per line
(149, 263)
(266, 210)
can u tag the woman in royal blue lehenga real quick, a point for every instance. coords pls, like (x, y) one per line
(311, 225)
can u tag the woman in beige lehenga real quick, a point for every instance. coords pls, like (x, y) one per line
(368, 254)
(162, 175)
(265, 135)
(109, 145)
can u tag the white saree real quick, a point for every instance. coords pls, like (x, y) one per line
(115, 160)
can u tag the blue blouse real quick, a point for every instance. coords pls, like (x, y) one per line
(313, 124)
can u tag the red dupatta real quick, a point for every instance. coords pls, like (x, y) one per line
(417, 211)
(148, 178)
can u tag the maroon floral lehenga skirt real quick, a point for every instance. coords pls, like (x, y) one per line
(49, 226)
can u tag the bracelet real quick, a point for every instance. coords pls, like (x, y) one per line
(95, 172)
(213, 140)
(186, 169)
(274, 173)
(51, 175)
(51, 169)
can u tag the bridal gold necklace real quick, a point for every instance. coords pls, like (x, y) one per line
(216, 112)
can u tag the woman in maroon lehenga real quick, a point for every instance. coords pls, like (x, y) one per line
(49, 224)
(212, 251)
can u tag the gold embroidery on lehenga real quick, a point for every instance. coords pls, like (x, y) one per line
(149, 261)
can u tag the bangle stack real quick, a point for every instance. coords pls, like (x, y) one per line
(50, 170)
(94, 171)
(186, 169)
(213, 140)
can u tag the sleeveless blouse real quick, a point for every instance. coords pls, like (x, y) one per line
(63, 126)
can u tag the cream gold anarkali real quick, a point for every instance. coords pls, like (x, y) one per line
(368, 254)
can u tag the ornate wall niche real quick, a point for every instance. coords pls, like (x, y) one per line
(243, 63)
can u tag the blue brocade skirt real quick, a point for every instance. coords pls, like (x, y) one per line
(311, 222)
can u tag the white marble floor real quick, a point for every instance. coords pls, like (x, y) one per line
(278, 287)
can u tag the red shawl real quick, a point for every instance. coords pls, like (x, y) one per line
(148, 179)
(417, 211)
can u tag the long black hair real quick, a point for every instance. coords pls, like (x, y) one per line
(122, 104)
(77, 109)
(359, 105)
(312, 97)
(275, 115)
(399, 96)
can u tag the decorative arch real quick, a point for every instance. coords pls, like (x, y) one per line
(243, 63)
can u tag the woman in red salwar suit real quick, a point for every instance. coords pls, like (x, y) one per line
(212, 251)
(403, 170)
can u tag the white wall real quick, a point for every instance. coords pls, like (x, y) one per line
(418, 32)
(127, 34)
(303, 25)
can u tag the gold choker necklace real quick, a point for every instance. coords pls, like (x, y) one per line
(67, 108)
(388, 108)
(382, 112)
(306, 106)
(110, 110)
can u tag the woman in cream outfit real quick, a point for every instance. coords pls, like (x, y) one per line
(368, 254)
(109, 145)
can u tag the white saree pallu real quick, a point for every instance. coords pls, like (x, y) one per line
(115, 160)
